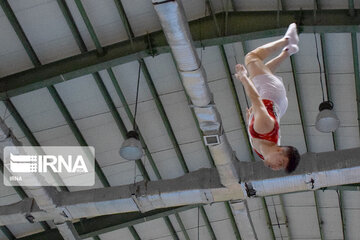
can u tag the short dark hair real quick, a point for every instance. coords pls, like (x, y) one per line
(294, 158)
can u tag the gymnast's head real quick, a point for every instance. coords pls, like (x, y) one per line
(286, 157)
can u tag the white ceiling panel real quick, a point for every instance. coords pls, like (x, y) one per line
(180, 117)
(23, 229)
(191, 218)
(97, 184)
(293, 135)
(305, 59)
(58, 136)
(302, 198)
(318, 141)
(110, 88)
(142, 16)
(239, 144)
(12, 52)
(196, 9)
(152, 127)
(14, 62)
(351, 199)
(343, 95)
(5, 190)
(256, 5)
(339, 53)
(9, 199)
(200, 232)
(152, 230)
(127, 76)
(225, 104)
(164, 73)
(332, 223)
(195, 155)
(223, 229)
(38, 110)
(328, 199)
(106, 21)
(194, 224)
(211, 60)
(216, 212)
(10, 121)
(276, 213)
(121, 234)
(122, 173)
(258, 218)
(310, 94)
(46, 36)
(347, 137)
(235, 54)
(352, 223)
(168, 164)
(81, 103)
(292, 115)
(102, 132)
(303, 222)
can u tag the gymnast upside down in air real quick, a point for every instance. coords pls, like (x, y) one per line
(269, 102)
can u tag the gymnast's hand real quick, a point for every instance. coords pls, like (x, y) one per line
(241, 72)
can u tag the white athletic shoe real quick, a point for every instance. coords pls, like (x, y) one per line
(292, 35)
(291, 49)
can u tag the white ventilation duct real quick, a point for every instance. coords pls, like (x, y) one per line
(243, 220)
(176, 29)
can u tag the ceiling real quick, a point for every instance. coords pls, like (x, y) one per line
(38, 33)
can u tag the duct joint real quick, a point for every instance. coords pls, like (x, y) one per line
(250, 191)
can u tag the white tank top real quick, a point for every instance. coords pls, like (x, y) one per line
(271, 87)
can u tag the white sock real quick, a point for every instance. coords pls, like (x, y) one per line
(292, 35)
(291, 49)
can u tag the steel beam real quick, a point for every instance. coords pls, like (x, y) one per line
(89, 26)
(100, 225)
(76, 131)
(264, 25)
(19, 32)
(356, 71)
(8, 234)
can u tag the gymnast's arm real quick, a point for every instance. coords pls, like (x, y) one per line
(263, 122)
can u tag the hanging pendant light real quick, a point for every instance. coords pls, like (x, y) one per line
(131, 148)
(326, 120)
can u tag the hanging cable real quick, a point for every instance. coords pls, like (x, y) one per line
(137, 95)
(317, 57)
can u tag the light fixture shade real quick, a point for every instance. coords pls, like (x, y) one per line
(131, 149)
(326, 120)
